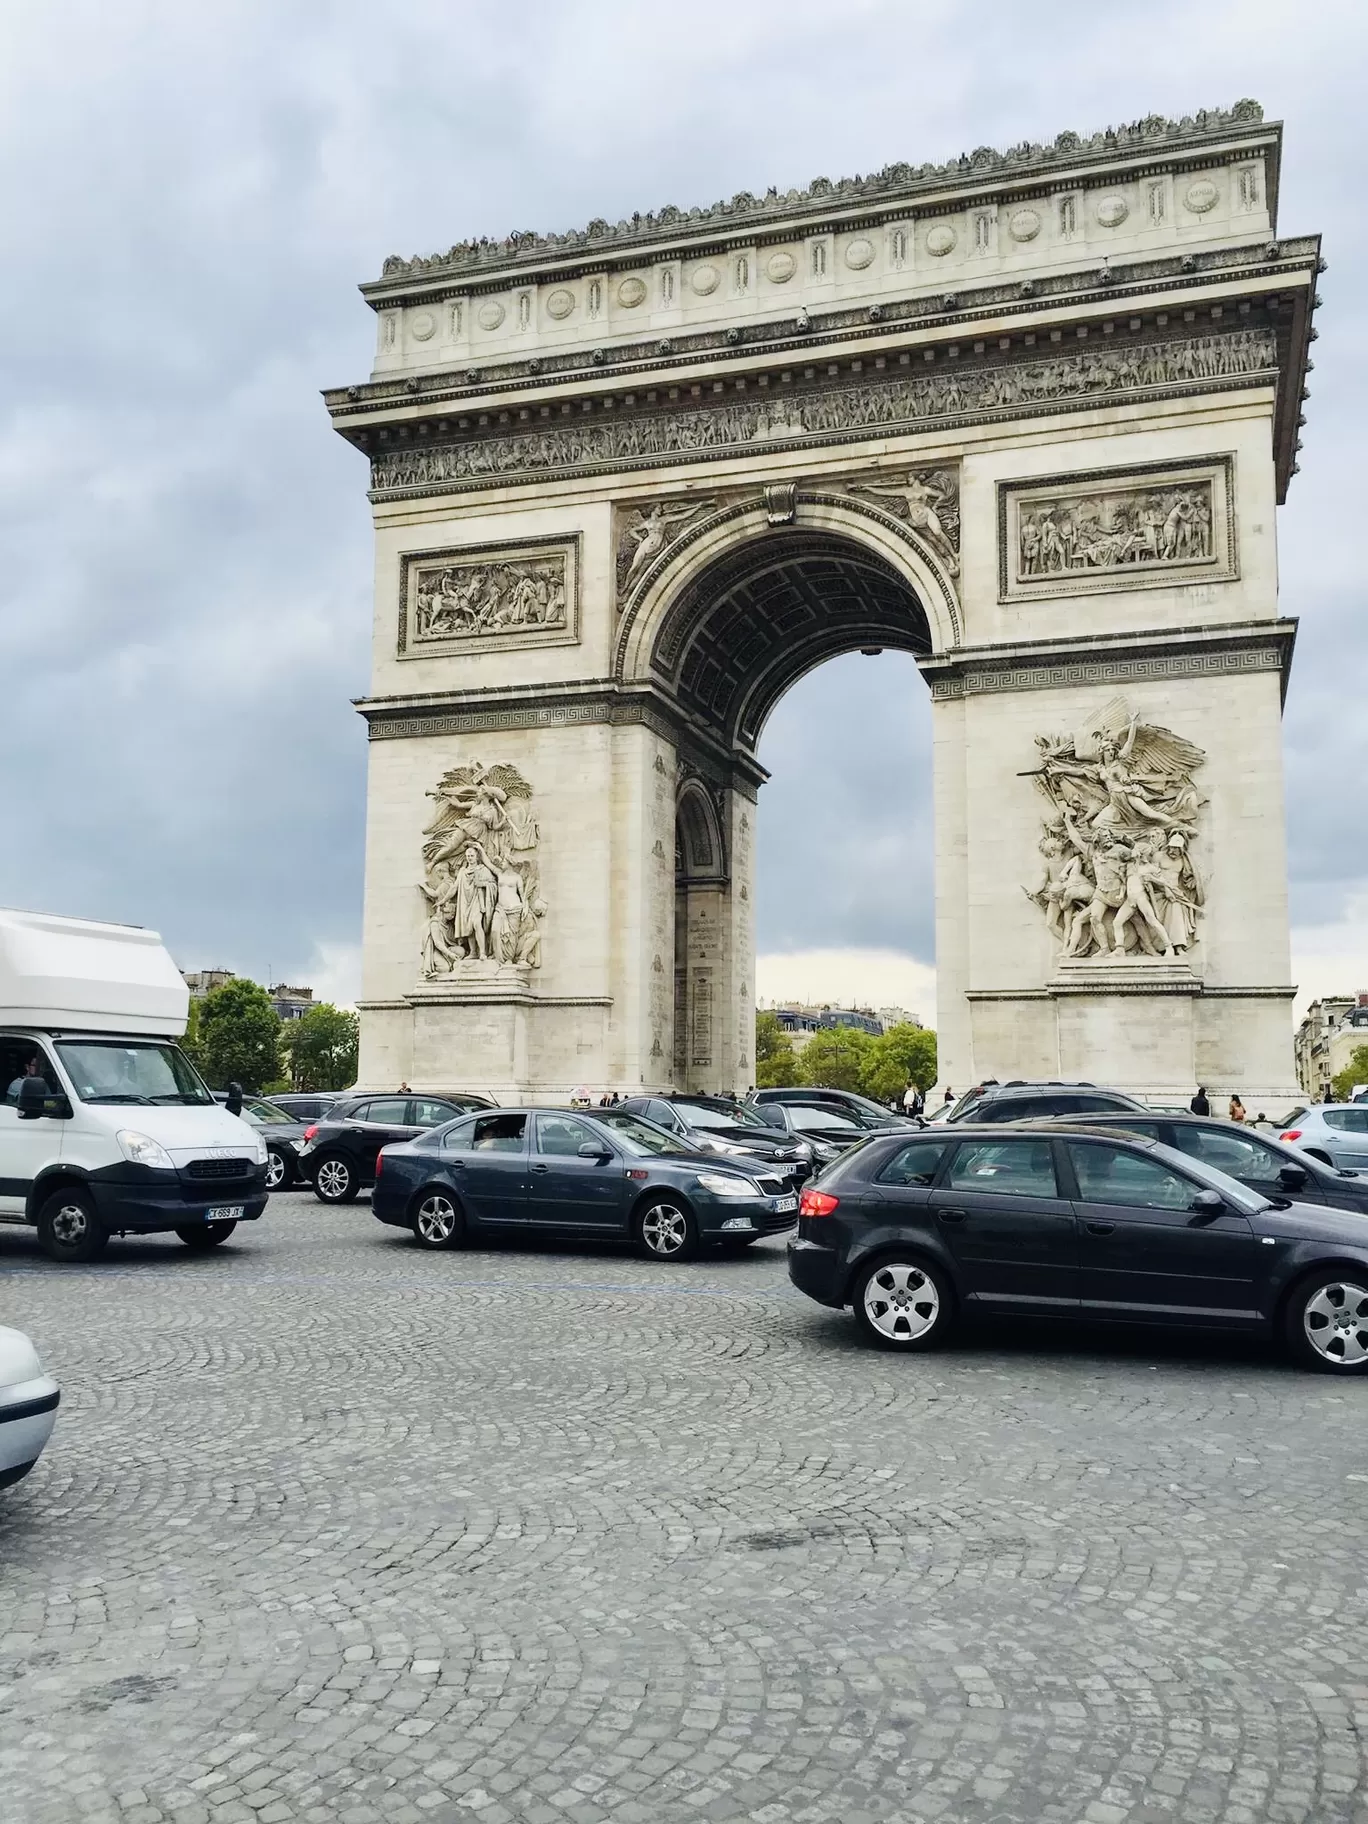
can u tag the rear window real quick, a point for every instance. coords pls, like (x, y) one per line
(914, 1165)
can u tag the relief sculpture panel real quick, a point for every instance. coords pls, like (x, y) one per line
(1120, 878)
(477, 600)
(481, 887)
(1085, 534)
(926, 500)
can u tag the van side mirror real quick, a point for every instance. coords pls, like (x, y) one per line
(36, 1100)
(234, 1102)
(1208, 1203)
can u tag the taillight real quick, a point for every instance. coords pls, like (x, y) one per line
(1293, 1133)
(379, 1163)
(817, 1203)
(309, 1132)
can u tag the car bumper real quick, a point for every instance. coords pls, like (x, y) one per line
(720, 1216)
(818, 1271)
(143, 1202)
(28, 1412)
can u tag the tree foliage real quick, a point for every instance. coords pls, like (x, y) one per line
(904, 1054)
(776, 1066)
(239, 1036)
(322, 1048)
(1355, 1071)
(835, 1057)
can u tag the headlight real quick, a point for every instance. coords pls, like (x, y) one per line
(142, 1149)
(263, 1151)
(727, 1187)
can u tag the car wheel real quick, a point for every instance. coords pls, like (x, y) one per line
(206, 1235)
(335, 1180)
(437, 1221)
(69, 1229)
(1327, 1321)
(667, 1231)
(278, 1173)
(903, 1303)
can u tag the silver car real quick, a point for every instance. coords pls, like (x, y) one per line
(1336, 1133)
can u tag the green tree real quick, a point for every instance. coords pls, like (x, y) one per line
(904, 1054)
(322, 1047)
(776, 1066)
(191, 1043)
(835, 1057)
(1355, 1071)
(239, 1032)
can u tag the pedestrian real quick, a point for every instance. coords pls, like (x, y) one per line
(614, 1099)
(1237, 1109)
(404, 1090)
(909, 1100)
(949, 1097)
(1199, 1103)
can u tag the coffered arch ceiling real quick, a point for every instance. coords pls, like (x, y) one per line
(751, 624)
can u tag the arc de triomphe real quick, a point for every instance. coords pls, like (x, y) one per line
(1027, 416)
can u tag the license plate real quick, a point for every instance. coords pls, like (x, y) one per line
(781, 1204)
(230, 1212)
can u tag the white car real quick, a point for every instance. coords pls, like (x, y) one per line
(28, 1406)
(1338, 1134)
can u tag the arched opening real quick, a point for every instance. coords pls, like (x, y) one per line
(735, 639)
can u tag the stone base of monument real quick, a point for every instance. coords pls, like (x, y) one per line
(1137, 974)
(477, 979)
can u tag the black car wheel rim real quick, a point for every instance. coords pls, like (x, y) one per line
(333, 1178)
(901, 1302)
(436, 1219)
(1335, 1318)
(664, 1229)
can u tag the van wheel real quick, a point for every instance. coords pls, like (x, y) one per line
(69, 1229)
(207, 1235)
(334, 1180)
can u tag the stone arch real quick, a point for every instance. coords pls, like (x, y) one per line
(700, 848)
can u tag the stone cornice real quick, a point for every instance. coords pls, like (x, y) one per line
(983, 171)
(1119, 659)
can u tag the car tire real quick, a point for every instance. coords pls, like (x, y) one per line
(903, 1302)
(335, 1179)
(1326, 1320)
(438, 1221)
(69, 1228)
(666, 1230)
(206, 1235)
(279, 1171)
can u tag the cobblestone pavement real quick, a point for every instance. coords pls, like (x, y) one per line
(331, 1529)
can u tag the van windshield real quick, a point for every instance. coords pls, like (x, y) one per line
(130, 1070)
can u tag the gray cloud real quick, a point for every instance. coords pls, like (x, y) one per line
(192, 194)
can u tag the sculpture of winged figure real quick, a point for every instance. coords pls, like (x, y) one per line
(1117, 846)
(648, 533)
(481, 893)
(488, 806)
(929, 503)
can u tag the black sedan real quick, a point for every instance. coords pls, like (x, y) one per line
(1093, 1223)
(603, 1174)
(731, 1129)
(1269, 1166)
(829, 1130)
(283, 1134)
(339, 1152)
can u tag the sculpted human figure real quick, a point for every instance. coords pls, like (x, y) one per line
(1180, 892)
(1141, 875)
(652, 533)
(476, 890)
(510, 906)
(1109, 858)
(921, 505)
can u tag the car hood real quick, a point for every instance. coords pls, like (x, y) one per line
(1314, 1222)
(282, 1130)
(764, 1145)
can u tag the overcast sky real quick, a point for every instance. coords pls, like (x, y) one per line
(191, 193)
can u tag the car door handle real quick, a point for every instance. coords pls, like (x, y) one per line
(1101, 1228)
(952, 1215)
(541, 1168)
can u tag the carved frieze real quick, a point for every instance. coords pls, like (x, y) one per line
(481, 598)
(926, 500)
(640, 437)
(646, 531)
(1120, 880)
(481, 891)
(1117, 529)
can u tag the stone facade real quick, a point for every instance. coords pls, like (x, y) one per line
(1029, 418)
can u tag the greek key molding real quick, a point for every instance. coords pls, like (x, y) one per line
(1050, 675)
(855, 410)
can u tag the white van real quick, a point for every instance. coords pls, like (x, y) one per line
(106, 1128)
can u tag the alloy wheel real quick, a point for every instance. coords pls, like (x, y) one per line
(436, 1221)
(334, 1179)
(1335, 1319)
(901, 1302)
(275, 1170)
(665, 1230)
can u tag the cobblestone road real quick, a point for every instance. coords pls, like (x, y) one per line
(331, 1529)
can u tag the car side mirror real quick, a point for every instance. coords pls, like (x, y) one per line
(1208, 1203)
(594, 1149)
(234, 1102)
(36, 1100)
(1292, 1177)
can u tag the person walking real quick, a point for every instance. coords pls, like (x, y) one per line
(909, 1100)
(1199, 1103)
(1237, 1109)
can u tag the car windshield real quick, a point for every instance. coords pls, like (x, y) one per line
(821, 1120)
(130, 1070)
(698, 1114)
(745, 1116)
(264, 1112)
(1237, 1195)
(636, 1137)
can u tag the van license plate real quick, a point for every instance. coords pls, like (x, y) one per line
(230, 1212)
